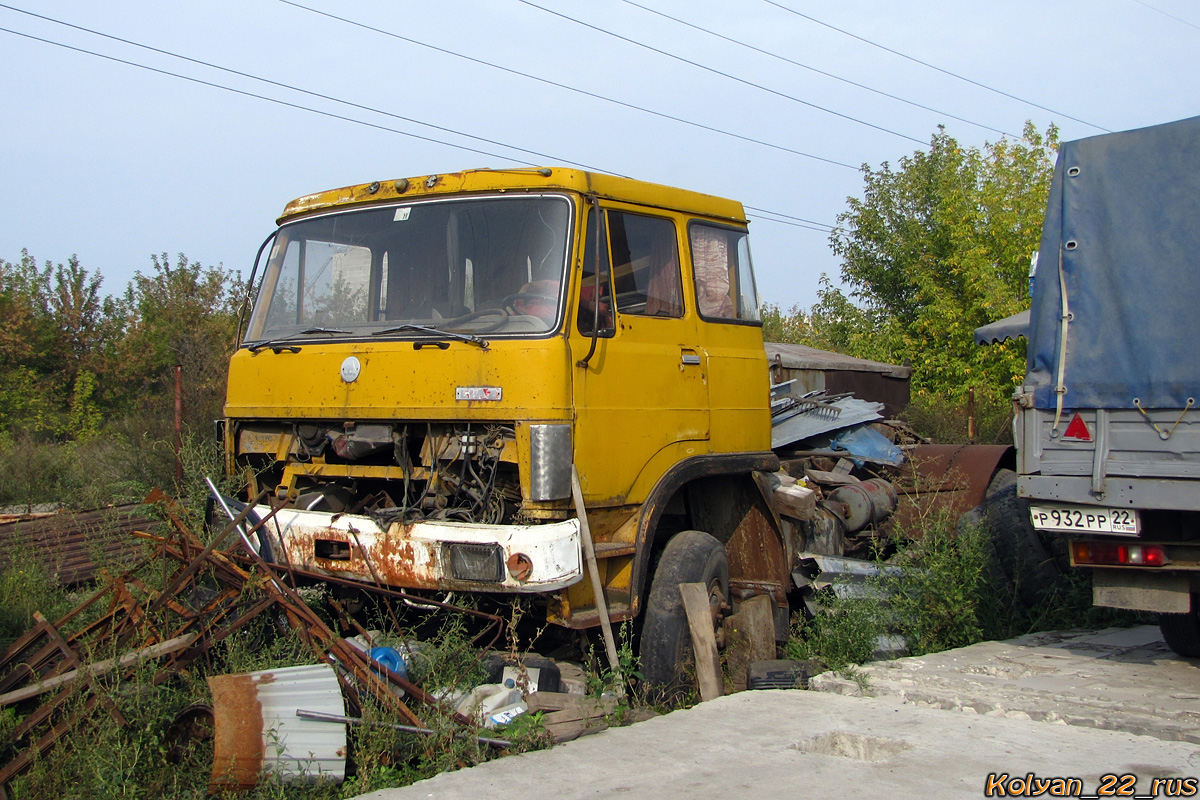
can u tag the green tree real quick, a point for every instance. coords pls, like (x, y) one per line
(182, 313)
(54, 328)
(934, 248)
(31, 391)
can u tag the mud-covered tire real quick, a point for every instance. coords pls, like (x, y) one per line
(1182, 631)
(665, 648)
(1022, 555)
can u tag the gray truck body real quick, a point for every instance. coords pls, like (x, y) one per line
(1107, 427)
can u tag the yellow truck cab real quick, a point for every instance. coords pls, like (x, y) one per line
(427, 358)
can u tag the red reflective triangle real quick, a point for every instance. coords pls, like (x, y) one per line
(1078, 429)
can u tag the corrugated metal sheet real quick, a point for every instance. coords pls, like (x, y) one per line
(1002, 330)
(74, 545)
(851, 411)
(256, 730)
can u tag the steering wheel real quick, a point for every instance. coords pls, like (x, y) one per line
(501, 315)
(534, 296)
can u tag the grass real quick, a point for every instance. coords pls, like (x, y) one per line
(940, 421)
(26, 587)
(948, 594)
(100, 759)
(120, 466)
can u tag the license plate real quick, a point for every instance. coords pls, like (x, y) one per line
(1086, 519)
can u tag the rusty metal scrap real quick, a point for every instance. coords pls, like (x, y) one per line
(72, 546)
(46, 673)
(257, 731)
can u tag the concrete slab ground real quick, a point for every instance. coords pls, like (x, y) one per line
(1051, 706)
(1123, 679)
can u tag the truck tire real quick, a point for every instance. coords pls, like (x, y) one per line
(1182, 631)
(1022, 555)
(665, 647)
(1003, 479)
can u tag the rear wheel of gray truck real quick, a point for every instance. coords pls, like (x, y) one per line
(1182, 631)
(1021, 552)
(666, 641)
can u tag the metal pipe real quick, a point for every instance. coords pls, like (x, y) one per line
(179, 426)
(610, 645)
(596, 290)
(317, 716)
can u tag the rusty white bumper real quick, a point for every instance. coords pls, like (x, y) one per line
(429, 554)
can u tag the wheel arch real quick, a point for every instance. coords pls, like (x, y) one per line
(717, 494)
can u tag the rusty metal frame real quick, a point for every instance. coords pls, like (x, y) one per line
(136, 612)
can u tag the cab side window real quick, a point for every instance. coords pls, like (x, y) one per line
(645, 255)
(595, 291)
(724, 278)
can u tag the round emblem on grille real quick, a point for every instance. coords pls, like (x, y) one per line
(350, 369)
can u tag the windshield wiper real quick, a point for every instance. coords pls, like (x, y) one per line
(278, 346)
(461, 337)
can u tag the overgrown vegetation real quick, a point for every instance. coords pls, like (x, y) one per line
(87, 381)
(99, 759)
(948, 591)
(934, 248)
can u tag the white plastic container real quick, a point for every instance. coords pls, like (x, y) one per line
(486, 699)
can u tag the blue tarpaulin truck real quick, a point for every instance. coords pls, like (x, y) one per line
(1107, 427)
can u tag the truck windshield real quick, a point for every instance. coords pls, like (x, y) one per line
(490, 265)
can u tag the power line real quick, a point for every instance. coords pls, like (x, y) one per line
(259, 96)
(294, 88)
(793, 62)
(569, 88)
(1165, 14)
(299, 107)
(933, 67)
(788, 219)
(715, 71)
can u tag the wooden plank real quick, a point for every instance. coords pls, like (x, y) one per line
(561, 701)
(749, 637)
(585, 534)
(704, 640)
(573, 729)
(99, 668)
(797, 502)
(834, 478)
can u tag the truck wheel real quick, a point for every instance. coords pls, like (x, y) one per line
(1182, 631)
(666, 641)
(1022, 555)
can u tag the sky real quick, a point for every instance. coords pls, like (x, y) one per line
(775, 103)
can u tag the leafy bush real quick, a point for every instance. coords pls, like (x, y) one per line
(948, 592)
(945, 422)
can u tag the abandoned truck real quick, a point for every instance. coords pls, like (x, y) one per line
(1106, 427)
(428, 359)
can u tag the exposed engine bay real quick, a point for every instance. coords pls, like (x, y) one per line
(393, 472)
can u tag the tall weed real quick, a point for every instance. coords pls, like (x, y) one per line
(25, 587)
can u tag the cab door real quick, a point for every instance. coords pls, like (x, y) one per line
(641, 401)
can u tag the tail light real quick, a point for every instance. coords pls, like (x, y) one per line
(1133, 555)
